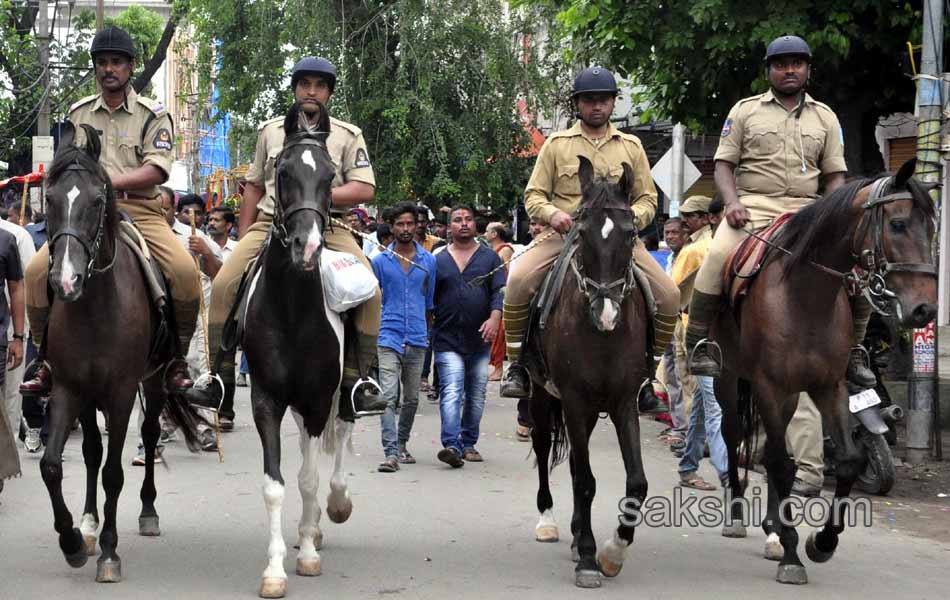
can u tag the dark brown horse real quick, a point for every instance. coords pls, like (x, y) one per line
(101, 342)
(792, 334)
(599, 322)
(294, 346)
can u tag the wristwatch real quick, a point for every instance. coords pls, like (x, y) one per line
(19, 336)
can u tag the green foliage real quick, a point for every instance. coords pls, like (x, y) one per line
(144, 25)
(434, 86)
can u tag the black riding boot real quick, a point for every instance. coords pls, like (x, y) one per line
(367, 400)
(516, 383)
(703, 308)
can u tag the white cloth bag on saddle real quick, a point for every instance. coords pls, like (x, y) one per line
(346, 281)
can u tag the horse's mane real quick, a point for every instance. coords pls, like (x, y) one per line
(816, 224)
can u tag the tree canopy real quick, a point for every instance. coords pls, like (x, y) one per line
(693, 60)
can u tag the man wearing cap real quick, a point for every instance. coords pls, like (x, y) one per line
(312, 80)
(773, 148)
(553, 194)
(137, 138)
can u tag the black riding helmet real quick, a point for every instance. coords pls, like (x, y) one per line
(313, 65)
(113, 39)
(787, 45)
(594, 80)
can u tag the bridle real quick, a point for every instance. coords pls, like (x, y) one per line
(873, 261)
(92, 249)
(616, 290)
(278, 226)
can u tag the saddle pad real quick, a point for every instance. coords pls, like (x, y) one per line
(746, 260)
(154, 280)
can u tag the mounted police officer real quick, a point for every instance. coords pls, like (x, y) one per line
(312, 80)
(553, 195)
(137, 138)
(772, 150)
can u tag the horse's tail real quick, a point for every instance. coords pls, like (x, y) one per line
(330, 436)
(748, 423)
(560, 443)
(180, 413)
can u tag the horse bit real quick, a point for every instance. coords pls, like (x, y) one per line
(278, 226)
(92, 250)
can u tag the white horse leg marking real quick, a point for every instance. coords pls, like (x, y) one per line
(339, 505)
(276, 549)
(546, 529)
(773, 547)
(607, 228)
(308, 481)
(88, 526)
(611, 555)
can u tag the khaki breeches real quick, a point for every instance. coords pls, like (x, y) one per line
(527, 273)
(224, 289)
(763, 211)
(175, 262)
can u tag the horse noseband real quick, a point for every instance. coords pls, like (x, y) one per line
(594, 290)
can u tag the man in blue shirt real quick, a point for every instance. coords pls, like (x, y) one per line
(467, 317)
(408, 287)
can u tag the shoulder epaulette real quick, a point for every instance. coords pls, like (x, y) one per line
(750, 99)
(156, 107)
(356, 131)
(85, 100)
(269, 121)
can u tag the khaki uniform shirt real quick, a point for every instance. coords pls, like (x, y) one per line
(345, 144)
(136, 133)
(555, 184)
(779, 152)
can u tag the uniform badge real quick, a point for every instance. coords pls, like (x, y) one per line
(361, 159)
(727, 128)
(163, 140)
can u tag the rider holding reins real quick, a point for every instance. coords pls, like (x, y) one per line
(772, 150)
(137, 137)
(553, 195)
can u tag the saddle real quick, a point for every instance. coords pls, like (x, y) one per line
(745, 262)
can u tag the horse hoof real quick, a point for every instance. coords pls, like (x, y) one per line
(736, 530)
(340, 514)
(587, 579)
(78, 559)
(793, 574)
(546, 534)
(608, 567)
(308, 567)
(773, 548)
(89, 542)
(814, 554)
(273, 587)
(575, 555)
(148, 526)
(109, 571)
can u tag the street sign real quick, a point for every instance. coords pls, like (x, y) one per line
(42, 151)
(663, 176)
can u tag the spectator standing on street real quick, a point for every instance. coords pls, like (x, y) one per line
(408, 287)
(220, 221)
(674, 234)
(467, 319)
(500, 239)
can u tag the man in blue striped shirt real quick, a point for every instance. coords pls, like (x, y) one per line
(408, 286)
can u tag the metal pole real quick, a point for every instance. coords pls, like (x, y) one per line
(922, 384)
(679, 151)
(43, 31)
(100, 14)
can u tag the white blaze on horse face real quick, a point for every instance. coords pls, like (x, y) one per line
(307, 158)
(608, 316)
(68, 273)
(313, 242)
(607, 228)
(71, 196)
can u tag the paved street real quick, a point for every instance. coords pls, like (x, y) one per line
(424, 532)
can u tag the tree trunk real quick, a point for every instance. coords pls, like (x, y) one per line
(158, 57)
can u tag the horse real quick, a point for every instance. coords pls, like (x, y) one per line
(289, 329)
(791, 333)
(600, 317)
(104, 337)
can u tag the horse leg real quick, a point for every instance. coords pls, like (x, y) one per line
(546, 529)
(820, 545)
(109, 565)
(308, 480)
(92, 456)
(579, 427)
(339, 505)
(612, 554)
(62, 412)
(267, 416)
(151, 430)
(776, 412)
(734, 525)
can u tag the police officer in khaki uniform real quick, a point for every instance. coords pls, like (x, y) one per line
(773, 148)
(312, 79)
(553, 194)
(137, 140)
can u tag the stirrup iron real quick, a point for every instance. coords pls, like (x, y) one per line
(710, 346)
(356, 386)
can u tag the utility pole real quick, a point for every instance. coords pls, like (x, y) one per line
(43, 29)
(922, 384)
(100, 14)
(679, 152)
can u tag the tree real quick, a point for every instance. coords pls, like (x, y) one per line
(694, 60)
(433, 85)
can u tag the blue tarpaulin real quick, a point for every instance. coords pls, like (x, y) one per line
(213, 150)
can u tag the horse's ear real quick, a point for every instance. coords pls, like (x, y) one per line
(292, 120)
(585, 171)
(905, 173)
(67, 134)
(627, 179)
(93, 145)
